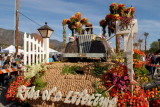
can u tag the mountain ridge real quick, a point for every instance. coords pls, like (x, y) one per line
(7, 38)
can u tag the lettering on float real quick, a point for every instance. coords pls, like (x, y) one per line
(72, 97)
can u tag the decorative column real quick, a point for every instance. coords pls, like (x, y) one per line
(128, 33)
(64, 36)
(46, 48)
(118, 43)
(46, 32)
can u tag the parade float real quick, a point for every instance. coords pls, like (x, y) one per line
(83, 43)
(88, 84)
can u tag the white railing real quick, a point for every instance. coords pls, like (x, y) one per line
(34, 51)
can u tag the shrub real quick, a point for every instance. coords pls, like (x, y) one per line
(98, 69)
(70, 69)
(39, 83)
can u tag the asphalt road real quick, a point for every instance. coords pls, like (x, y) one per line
(3, 101)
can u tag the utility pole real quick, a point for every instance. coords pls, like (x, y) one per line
(17, 25)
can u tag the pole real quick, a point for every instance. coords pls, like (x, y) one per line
(46, 45)
(145, 43)
(64, 37)
(118, 43)
(17, 24)
(14, 26)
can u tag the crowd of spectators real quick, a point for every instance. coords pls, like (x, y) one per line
(152, 59)
(9, 61)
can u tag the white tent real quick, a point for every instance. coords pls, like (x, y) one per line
(53, 52)
(11, 49)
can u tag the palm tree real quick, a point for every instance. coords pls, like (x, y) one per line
(140, 43)
(135, 45)
(146, 35)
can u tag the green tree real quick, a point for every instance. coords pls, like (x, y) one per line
(154, 46)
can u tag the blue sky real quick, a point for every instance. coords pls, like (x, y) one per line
(54, 11)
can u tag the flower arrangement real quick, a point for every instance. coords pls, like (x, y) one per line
(113, 8)
(116, 17)
(13, 88)
(76, 22)
(30, 74)
(138, 99)
(121, 6)
(118, 83)
(118, 12)
(34, 70)
(118, 76)
(103, 23)
(78, 15)
(65, 21)
(139, 52)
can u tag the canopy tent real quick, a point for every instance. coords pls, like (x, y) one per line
(53, 52)
(11, 49)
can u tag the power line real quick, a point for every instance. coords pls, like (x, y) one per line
(30, 19)
(34, 21)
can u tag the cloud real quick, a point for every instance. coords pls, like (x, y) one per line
(149, 25)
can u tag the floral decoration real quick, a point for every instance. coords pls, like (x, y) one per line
(118, 12)
(13, 88)
(76, 22)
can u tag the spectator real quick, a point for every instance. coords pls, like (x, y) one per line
(51, 59)
(153, 61)
(7, 62)
(158, 59)
(1, 61)
(18, 59)
(56, 58)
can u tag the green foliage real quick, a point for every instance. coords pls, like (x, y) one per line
(98, 90)
(141, 71)
(70, 69)
(98, 69)
(154, 46)
(39, 83)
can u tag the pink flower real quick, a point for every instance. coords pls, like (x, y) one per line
(125, 77)
(122, 82)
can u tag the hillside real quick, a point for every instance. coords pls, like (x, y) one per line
(7, 38)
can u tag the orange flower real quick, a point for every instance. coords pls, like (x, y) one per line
(132, 9)
(73, 18)
(116, 17)
(103, 22)
(64, 22)
(88, 24)
(84, 20)
(139, 52)
(114, 5)
(109, 16)
(78, 15)
(78, 25)
(122, 6)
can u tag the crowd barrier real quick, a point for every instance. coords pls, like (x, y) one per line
(2, 71)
